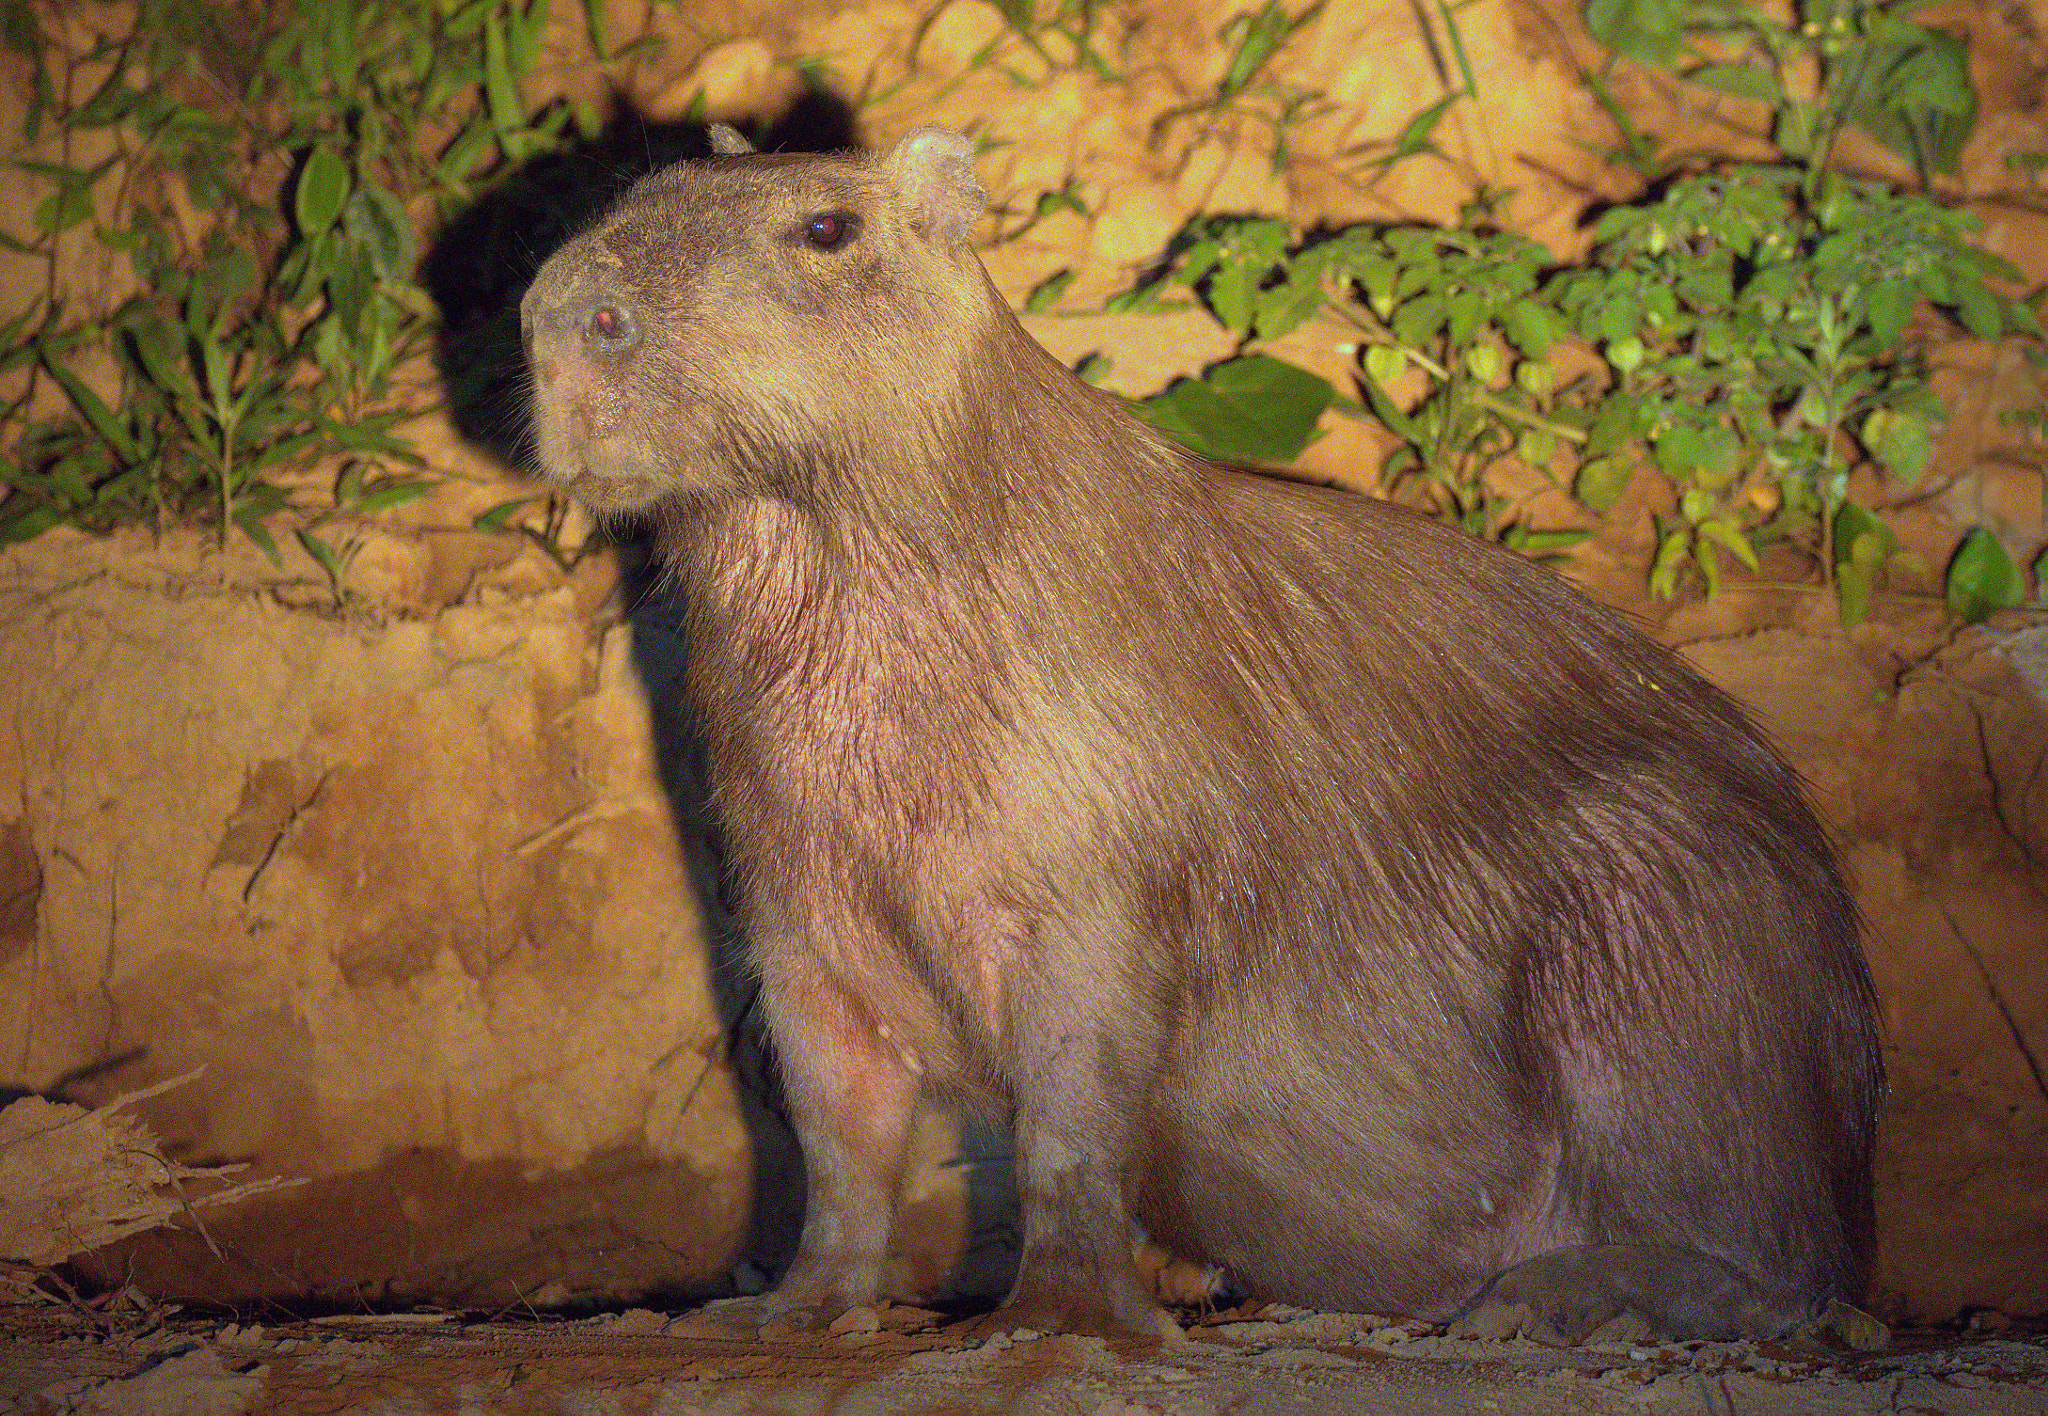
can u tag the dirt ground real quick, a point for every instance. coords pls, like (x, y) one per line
(1277, 1362)
(415, 879)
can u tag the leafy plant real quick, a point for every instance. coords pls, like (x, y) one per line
(1746, 336)
(264, 174)
(1459, 305)
(1747, 349)
(1072, 22)
(1832, 64)
(1760, 347)
(1253, 40)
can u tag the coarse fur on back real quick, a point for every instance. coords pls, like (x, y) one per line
(1358, 905)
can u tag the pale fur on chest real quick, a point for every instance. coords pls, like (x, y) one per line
(863, 740)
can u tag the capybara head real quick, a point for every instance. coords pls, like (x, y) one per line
(742, 324)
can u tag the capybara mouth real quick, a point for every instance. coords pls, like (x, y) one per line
(610, 491)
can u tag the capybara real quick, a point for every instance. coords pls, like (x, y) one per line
(1350, 902)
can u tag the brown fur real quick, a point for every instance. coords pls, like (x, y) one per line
(1354, 902)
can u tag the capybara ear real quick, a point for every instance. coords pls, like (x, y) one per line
(727, 141)
(934, 170)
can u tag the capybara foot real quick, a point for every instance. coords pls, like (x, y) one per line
(1622, 1292)
(1128, 1318)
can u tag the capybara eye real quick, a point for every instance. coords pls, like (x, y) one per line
(829, 230)
(611, 327)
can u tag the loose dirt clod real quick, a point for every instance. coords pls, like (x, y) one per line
(72, 1180)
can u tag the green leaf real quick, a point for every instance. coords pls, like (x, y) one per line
(323, 187)
(165, 370)
(1201, 258)
(1417, 321)
(95, 410)
(320, 551)
(384, 495)
(1231, 291)
(1733, 538)
(1530, 328)
(1889, 305)
(1709, 561)
(1385, 362)
(1256, 38)
(1742, 80)
(1464, 312)
(1871, 549)
(28, 525)
(1862, 539)
(376, 221)
(1647, 31)
(250, 519)
(1249, 410)
(1400, 423)
(64, 208)
(1536, 446)
(1046, 294)
(1982, 579)
(17, 354)
(1602, 481)
(600, 40)
(501, 93)
(466, 151)
(1415, 134)
(1145, 300)
(1921, 104)
(1796, 129)
(498, 517)
(111, 103)
(1852, 594)
(1286, 308)
(1679, 450)
(1521, 539)
(1978, 309)
(1899, 440)
(1671, 556)
(525, 29)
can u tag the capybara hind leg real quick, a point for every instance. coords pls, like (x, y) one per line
(1633, 1291)
(850, 1097)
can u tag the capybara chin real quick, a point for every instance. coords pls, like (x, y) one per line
(1349, 901)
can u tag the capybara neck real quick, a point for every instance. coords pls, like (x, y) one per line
(1004, 462)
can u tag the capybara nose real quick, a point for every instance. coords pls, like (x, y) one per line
(611, 328)
(571, 304)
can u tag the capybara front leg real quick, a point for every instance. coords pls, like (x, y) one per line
(1075, 1138)
(1632, 1292)
(850, 1095)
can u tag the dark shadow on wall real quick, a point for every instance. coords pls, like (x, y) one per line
(660, 655)
(477, 272)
